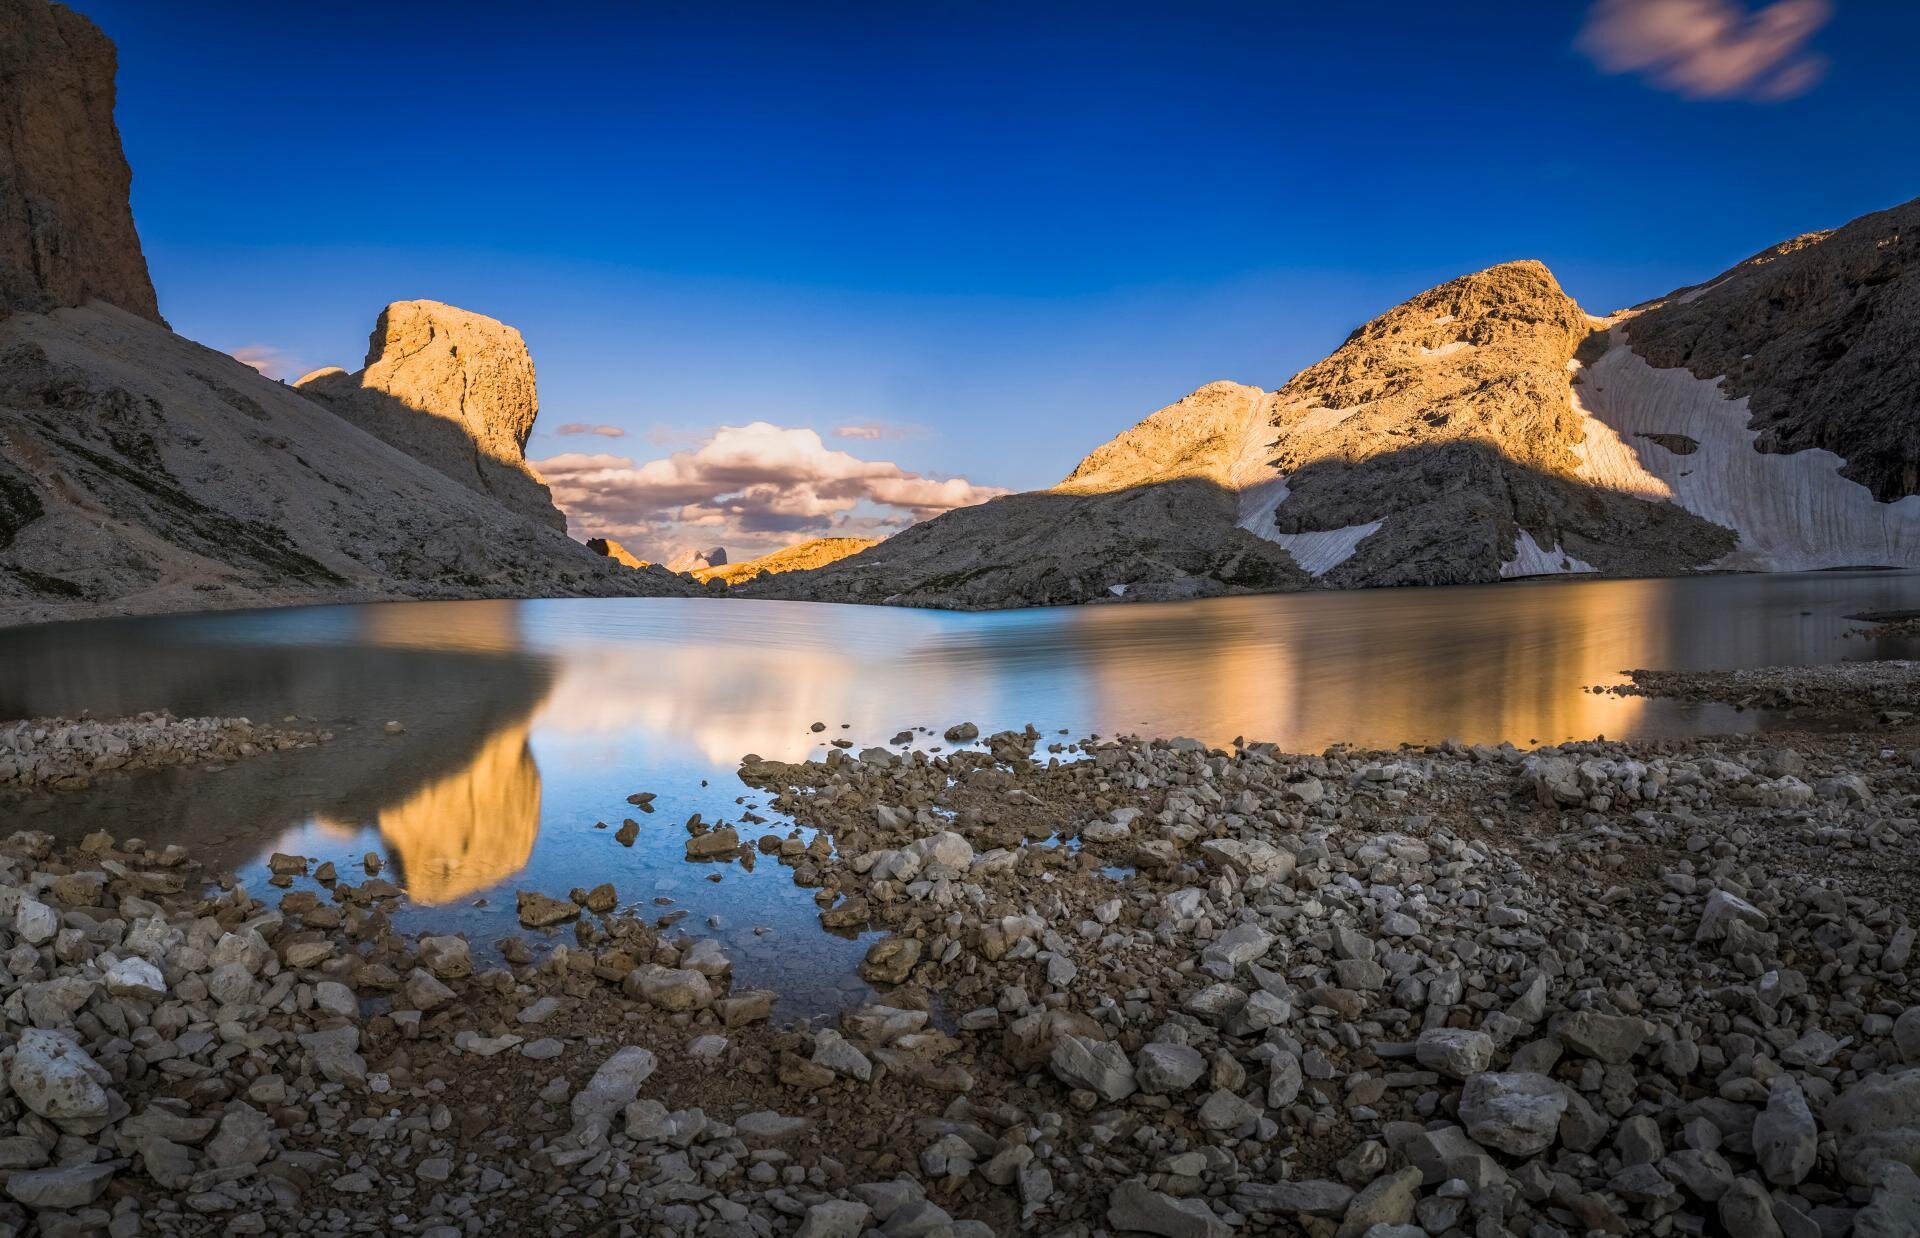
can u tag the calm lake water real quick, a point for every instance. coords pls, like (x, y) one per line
(528, 722)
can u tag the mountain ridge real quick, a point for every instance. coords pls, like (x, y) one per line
(1469, 434)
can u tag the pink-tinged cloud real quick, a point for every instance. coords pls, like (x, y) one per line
(271, 361)
(876, 430)
(1710, 49)
(757, 485)
(582, 427)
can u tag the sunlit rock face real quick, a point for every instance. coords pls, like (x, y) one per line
(815, 552)
(471, 829)
(66, 228)
(615, 551)
(697, 560)
(453, 389)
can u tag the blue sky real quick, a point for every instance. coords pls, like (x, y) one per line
(1004, 232)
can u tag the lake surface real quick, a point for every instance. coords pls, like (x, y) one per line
(528, 722)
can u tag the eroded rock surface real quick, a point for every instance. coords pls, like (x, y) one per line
(66, 227)
(453, 389)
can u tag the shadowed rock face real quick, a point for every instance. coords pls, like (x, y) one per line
(453, 389)
(1822, 334)
(66, 229)
(1437, 445)
(140, 472)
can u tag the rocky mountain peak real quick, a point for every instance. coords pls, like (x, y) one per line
(1203, 435)
(454, 389)
(66, 226)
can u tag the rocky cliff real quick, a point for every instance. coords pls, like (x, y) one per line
(1821, 335)
(66, 228)
(453, 389)
(698, 560)
(142, 472)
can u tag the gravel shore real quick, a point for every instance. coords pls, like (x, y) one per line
(1130, 987)
(1840, 689)
(66, 754)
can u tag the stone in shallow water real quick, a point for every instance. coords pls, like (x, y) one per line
(539, 911)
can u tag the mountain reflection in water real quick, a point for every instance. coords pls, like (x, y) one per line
(526, 723)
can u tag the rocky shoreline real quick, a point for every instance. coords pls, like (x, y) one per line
(1841, 690)
(1130, 987)
(67, 754)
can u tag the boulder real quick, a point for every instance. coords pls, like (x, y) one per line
(1518, 1112)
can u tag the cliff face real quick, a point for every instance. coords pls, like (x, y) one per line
(66, 226)
(453, 389)
(1821, 334)
(141, 472)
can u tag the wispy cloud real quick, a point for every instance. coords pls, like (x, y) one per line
(1710, 49)
(581, 427)
(876, 430)
(271, 361)
(757, 485)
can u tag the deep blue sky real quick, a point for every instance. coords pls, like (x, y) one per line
(1019, 230)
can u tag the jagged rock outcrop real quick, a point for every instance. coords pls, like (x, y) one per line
(141, 472)
(1821, 336)
(66, 228)
(698, 560)
(451, 388)
(816, 552)
(615, 551)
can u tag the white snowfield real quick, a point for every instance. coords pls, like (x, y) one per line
(1792, 512)
(1529, 559)
(1317, 552)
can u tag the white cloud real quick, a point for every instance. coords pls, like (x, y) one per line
(750, 488)
(874, 430)
(1710, 49)
(267, 359)
(581, 427)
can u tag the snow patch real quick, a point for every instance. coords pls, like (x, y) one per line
(1257, 504)
(1321, 551)
(1317, 553)
(1530, 560)
(1688, 298)
(1793, 513)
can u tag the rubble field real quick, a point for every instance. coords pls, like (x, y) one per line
(1130, 987)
